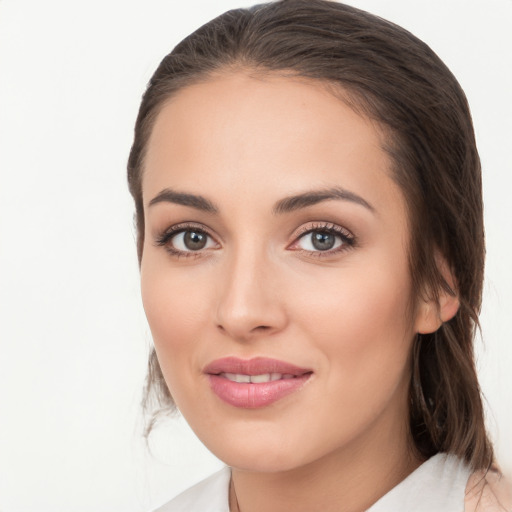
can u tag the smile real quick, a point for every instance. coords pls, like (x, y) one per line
(254, 383)
(256, 379)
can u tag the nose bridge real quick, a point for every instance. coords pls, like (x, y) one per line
(249, 300)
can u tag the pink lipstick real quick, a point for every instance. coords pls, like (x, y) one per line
(254, 383)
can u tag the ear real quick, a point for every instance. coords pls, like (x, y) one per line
(432, 312)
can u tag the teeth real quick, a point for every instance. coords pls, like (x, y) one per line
(265, 377)
(256, 379)
(237, 377)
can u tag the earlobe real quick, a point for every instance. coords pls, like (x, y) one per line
(434, 311)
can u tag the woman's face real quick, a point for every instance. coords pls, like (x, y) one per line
(275, 273)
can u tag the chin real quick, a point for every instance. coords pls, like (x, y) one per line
(260, 460)
(262, 447)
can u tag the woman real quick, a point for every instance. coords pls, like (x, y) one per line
(309, 215)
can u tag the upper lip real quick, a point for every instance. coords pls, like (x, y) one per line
(254, 366)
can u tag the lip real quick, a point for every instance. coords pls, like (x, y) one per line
(254, 395)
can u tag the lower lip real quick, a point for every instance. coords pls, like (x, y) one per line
(253, 396)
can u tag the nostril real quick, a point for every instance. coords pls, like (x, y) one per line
(261, 328)
(254, 329)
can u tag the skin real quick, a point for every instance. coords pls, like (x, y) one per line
(259, 288)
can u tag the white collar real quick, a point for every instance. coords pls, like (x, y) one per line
(209, 495)
(438, 485)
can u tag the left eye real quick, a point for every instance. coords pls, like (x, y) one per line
(191, 240)
(320, 240)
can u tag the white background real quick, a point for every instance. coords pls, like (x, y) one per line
(73, 338)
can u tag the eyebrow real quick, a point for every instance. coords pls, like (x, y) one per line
(286, 205)
(194, 201)
(297, 202)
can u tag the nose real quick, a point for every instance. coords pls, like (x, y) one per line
(250, 299)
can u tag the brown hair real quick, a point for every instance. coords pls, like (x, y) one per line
(396, 79)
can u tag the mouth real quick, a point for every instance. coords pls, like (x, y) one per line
(254, 383)
(256, 379)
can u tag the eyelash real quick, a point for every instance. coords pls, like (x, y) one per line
(348, 240)
(165, 238)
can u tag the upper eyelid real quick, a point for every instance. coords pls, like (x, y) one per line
(322, 226)
(349, 240)
(162, 237)
(186, 226)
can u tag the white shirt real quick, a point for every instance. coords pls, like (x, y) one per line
(438, 485)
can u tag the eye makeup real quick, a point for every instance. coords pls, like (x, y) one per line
(322, 239)
(187, 239)
(317, 239)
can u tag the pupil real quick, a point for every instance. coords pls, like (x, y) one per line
(323, 241)
(194, 240)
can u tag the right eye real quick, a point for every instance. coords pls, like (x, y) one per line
(191, 240)
(182, 241)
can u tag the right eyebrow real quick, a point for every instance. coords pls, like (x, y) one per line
(194, 201)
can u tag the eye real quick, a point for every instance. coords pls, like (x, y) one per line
(326, 238)
(191, 240)
(184, 241)
(319, 241)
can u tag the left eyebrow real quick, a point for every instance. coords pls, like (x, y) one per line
(292, 203)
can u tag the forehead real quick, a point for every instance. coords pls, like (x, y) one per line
(265, 135)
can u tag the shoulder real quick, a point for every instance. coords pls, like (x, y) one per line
(488, 492)
(209, 495)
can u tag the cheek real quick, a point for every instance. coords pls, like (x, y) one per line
(360, 322)
(173, 300)
(364, 337)
(177, 307)
(176, 310)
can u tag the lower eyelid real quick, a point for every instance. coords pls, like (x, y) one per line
(167, 240)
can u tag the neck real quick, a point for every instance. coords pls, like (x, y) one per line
(350, 479)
